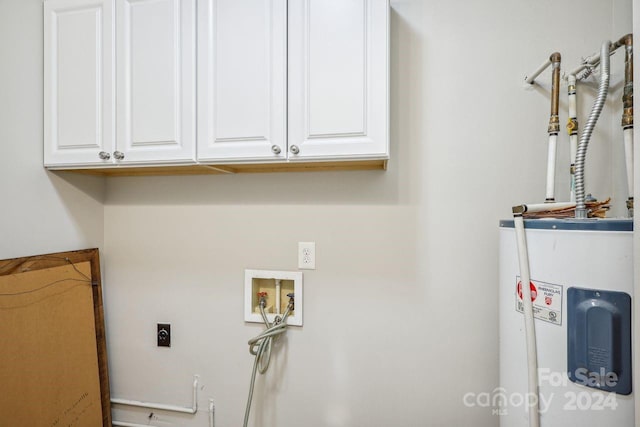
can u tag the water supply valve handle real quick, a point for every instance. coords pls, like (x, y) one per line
(291, 300)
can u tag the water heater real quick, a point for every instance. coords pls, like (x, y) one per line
(581, 287)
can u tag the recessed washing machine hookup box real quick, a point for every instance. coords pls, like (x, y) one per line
(277, 287)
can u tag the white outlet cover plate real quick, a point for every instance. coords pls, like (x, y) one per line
(296, 276)
(307, 255)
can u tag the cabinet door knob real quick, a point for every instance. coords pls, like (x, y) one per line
(275, 149)
(118, 155)
(294, 149)
(104, 155)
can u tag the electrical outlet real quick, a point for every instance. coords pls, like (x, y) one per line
(164, 335)
(307, 255)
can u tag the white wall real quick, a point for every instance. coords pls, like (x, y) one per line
(401, 313)
(40, 212)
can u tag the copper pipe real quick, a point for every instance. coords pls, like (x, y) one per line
(626, 40)
(554, 121)
(627, 115)
(554, 127)
(627, 96)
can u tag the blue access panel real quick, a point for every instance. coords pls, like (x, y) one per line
(599, 339)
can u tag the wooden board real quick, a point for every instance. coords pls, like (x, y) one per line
(53, 365)
(216, 169)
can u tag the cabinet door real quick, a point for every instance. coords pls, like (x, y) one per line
(242, 80)
(156, 80)
(338, 79)
(78, 91)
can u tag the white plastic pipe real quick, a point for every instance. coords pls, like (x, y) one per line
(551, 168)
(594, 60)
(278, 287)
(126, 424)
(628, 153)
(543, 207)
(573, 134)
(553, 129)
(529, 325)
(531, 78)
(162, 406)
(588, 62)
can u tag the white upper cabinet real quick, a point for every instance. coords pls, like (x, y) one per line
(242, 80)
(145, 110)
(156, 87)
(190, 82)
(78, 96)
(338, 79)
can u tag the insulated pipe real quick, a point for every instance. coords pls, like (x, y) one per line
(529, 324)
(627, 116)
(162, 406)
(581, 210)
(572, 129)
(554, 127)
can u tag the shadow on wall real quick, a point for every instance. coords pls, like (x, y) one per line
(92, 186)
(398, 185)
(83, 200)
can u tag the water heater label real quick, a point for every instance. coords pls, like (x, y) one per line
(546, 298)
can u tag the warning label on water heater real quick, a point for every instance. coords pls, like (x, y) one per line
(546, 299)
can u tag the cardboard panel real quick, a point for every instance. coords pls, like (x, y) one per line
(50, 362)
